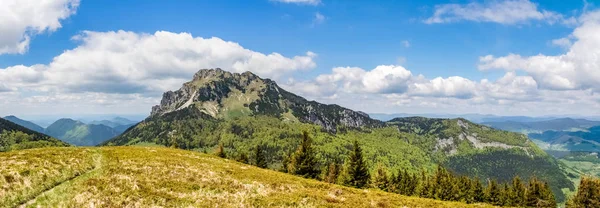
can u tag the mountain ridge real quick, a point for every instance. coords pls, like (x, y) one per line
(240, 111)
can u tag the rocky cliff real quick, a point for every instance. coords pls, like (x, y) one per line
(224, 95)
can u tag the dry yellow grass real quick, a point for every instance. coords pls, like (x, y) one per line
(163, 177)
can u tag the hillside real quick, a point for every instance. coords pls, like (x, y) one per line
(24, 123)
(80, 134)
(243, 111)
(163, 177)
(15, 137)
(561, 124)
(584, 140)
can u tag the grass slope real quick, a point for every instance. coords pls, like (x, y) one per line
(150, 177)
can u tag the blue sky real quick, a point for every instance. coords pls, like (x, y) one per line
(403, 35)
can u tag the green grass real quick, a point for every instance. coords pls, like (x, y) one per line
(165, 177)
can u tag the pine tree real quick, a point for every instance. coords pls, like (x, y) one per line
(332, 173)
(358, 173)
(493, 193)
(220, 151)
(243, 158)
(517, 197)
(426, 190)
(588, 194)
(304, 162)
(547, 196)
(381, 180)
(259, 156)
(506, 195)
(477, 190)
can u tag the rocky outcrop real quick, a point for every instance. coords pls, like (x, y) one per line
(219, 93)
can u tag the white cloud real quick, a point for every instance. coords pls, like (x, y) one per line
(503, 12)
(127, 62)
(454, 86)
(577, 69)
(319, 19)
(563, 42)
(406, 44)
(305, 2)
(20, 20)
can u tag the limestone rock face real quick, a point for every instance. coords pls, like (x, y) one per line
(222, 94)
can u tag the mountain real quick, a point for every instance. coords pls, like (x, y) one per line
(241, 111)
(561, 124)
(16, 137)
(477, 118)
(80, 134)
(585, 140)
(115, 122)
(224, 95)
(166, 177)
(24, 123)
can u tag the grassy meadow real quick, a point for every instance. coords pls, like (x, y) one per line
(165, 177)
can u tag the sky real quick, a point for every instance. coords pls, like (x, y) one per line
(502, 57)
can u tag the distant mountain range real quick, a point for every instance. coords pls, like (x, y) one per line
(564, 134)
(15, 137)
(79, 133)
(479, 118)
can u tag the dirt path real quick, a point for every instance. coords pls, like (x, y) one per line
(65, 184)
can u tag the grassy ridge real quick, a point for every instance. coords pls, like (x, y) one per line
(145, 177)
(27, 173)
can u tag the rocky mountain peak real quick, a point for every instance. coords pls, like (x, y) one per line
(225, 95)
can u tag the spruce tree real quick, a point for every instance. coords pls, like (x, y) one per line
(517, 197)
(381, 179)
(477, 190)
(332, 173)
(493, 193)
(259, 157)
(358, 173)
(304, 162)
(243, 158)
(588, 194)
(220, 151)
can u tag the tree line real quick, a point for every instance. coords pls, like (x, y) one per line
(441, 184)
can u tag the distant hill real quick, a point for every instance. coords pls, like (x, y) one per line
(26, 124)
(115, 122)
(16, 137)
(80, 134)
(241, 111)
(561, 124)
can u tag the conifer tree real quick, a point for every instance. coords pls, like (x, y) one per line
(303, 161)
(332, 173)
(259, 156)
(506, 195)
(588, 194)
(243, 158)
(380, 179)
(426, 190)
(477, 190)
(220, 151)
(517, 196)
(358, 173)
(493, 193)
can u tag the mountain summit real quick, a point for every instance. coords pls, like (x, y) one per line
(225, 95)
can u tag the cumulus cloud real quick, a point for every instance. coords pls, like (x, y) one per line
(20, 20)
(504, 12)
(305, 2)
(124, 62)
(577, 69)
